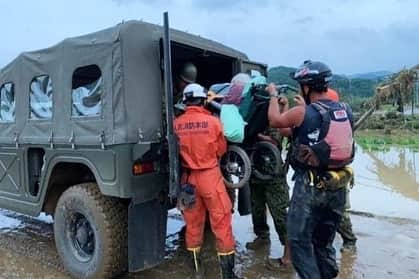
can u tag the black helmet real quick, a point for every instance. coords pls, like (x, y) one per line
(189, 73)
(314, 74)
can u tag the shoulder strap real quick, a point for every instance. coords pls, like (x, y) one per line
(322, 105)
(349, 113)
(323, 109)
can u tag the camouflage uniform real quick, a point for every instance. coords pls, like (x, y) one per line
(274, 194)
(345, 226)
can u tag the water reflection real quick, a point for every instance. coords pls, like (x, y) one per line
(347, 264)
(398, 169)
(386, 182)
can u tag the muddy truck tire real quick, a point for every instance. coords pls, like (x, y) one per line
(91, 232)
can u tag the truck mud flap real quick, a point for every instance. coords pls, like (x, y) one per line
(147, 224)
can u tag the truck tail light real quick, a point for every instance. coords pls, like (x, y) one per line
(143, 168)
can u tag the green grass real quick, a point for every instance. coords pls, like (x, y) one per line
(377, 140)
(388, 108)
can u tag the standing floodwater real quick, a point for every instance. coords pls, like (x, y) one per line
(385, 215)
(387, 182)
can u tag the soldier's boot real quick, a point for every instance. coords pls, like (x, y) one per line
(258, 243)
(348, 247)
(227, 265)
(195, 254)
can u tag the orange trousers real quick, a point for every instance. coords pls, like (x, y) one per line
(211, 196)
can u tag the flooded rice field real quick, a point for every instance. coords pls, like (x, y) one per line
(385, 215)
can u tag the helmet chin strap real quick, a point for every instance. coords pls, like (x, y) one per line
(306, 96)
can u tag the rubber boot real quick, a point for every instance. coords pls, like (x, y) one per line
(227, 266)
(195, 254)
(258, 243)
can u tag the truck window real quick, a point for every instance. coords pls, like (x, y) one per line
(87, 91)
(40, 102)
(8, 105)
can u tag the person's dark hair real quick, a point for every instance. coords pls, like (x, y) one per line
(195, 102)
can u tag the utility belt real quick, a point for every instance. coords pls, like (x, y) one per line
(331, 180)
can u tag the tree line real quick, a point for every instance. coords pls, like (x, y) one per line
(355, 91)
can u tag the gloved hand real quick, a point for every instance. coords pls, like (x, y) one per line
(212, 96)
(186, 199)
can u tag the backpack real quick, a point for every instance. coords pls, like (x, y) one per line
(335, 147)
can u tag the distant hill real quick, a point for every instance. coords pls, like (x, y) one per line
(371, 75)
(356, 86)
(353, 90)
(281, 75)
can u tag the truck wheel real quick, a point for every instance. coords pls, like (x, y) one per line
(91, 232)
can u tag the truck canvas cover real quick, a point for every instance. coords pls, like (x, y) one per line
(128, 107)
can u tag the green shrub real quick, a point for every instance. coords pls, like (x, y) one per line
(392, 115)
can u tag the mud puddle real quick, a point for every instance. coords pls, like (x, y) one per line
(385, 214)
(388, 247)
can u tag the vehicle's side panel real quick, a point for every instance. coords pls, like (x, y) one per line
(142, 81)
(11, 175)
(13, 190)
(111, 168)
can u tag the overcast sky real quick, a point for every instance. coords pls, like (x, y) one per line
(352, 36)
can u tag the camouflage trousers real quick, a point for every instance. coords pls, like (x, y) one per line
(345, 225)
(274, 195)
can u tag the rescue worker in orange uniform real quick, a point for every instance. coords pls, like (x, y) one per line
(202, 143)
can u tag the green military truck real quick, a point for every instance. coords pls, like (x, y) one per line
(83, 138)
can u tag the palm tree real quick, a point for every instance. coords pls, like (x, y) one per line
(399, 89)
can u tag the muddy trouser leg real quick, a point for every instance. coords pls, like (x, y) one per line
(277, 198)
(195, 223)
(345, 230)
(211, 197)
(301, 222)
(218, 204)
(258, 200)
(329, 216)
(345, 226)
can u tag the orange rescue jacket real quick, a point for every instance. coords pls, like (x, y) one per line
(201, 138)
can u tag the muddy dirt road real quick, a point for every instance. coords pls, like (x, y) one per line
(385, 204)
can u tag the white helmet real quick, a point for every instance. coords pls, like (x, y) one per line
(194, 90)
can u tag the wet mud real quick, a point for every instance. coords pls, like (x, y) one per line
(385, 216)
(388, 247)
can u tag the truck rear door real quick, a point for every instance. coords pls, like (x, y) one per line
(249, 66)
